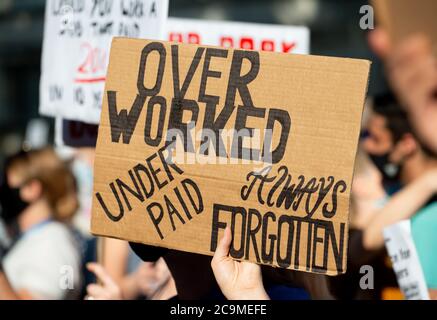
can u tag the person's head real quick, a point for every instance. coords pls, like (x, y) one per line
(387, 126)
(390, 140)
(38, 177)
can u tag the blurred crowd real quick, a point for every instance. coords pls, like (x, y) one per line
(46, 251)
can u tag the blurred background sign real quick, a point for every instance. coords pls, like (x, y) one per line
(406, 264)
(76, 45)
(240, 35)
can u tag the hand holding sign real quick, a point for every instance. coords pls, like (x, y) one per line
(237, 280)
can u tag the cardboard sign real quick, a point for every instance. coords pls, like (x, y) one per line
(77, 39)
(402, 18)
(240, 35)
(406, 264)
(193, 139)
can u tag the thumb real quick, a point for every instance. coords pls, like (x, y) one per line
(379, 42)
(223, 246)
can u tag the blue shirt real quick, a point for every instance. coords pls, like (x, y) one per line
(424, 231)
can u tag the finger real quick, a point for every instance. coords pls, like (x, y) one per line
(416, 74)
(223, 246)
(424, 79)
(100, 273)
(379, 42)
(148, 267)
(96, 291)
(410, 50)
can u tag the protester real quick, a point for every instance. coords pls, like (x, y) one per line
(386, 126)
(404, 159)
(398, 156)
(39, 195)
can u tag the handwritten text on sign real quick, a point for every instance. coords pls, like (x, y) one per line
(77, 38)
(292, 213)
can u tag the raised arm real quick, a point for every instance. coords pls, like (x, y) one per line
(402, 206)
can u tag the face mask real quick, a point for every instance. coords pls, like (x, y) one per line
(390, 171)
(11, 203)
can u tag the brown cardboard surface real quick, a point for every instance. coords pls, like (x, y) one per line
(402, 18)
(303, 226)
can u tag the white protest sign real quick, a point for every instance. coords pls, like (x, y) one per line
(252, 36)
(77, 39)
(406, 264)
